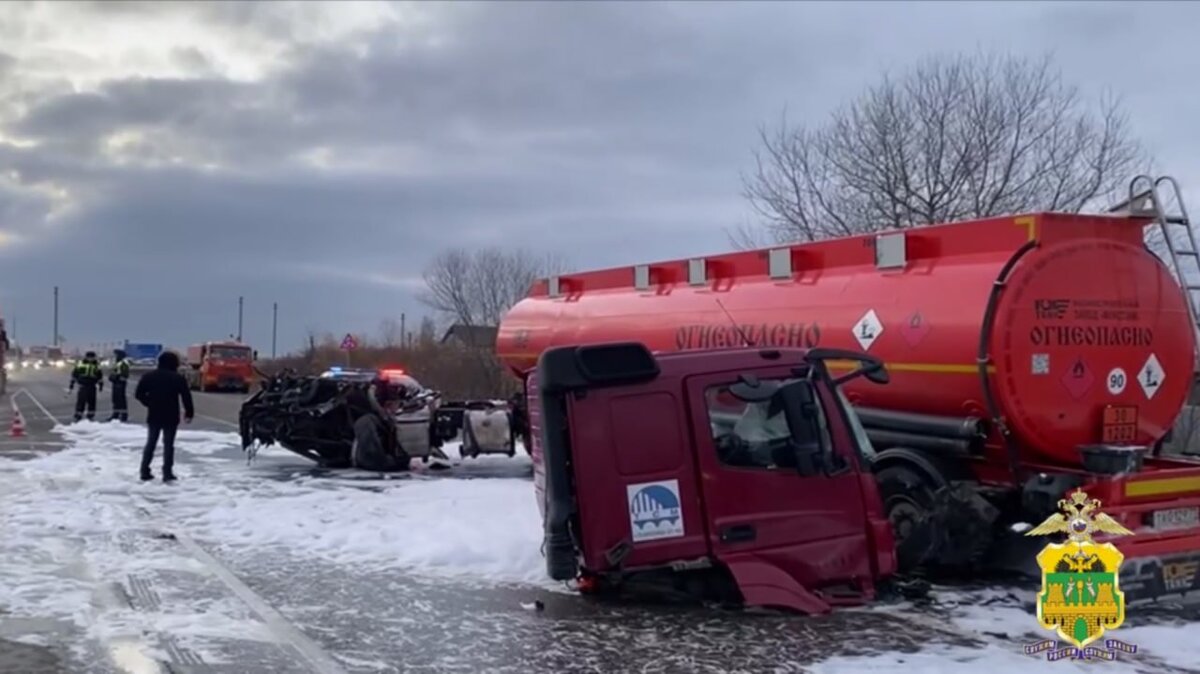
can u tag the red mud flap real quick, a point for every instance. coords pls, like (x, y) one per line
(766, 585)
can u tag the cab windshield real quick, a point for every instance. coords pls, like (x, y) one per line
(229, 353)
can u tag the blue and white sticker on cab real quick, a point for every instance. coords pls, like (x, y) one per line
(655, 511)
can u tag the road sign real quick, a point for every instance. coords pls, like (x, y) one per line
(349, 343)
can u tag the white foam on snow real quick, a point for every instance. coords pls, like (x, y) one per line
(487, 528)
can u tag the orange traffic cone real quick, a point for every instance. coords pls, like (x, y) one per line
(17, 430)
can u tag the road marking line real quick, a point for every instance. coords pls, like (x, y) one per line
(316, 657)
(219, 421)
(38, 403)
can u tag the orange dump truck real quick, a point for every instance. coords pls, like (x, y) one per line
(220, 366)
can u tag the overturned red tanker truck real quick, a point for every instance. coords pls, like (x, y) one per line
(1029, 355)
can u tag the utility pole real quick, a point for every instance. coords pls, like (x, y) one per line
(403, 333)
(55, 315)
(274, 326)
(239, 337)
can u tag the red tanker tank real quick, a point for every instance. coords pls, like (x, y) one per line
(1077, 323)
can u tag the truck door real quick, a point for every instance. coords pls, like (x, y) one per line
(768, 522)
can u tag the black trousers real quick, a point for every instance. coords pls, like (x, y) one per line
(120, 406)
(153, 430)
(85, 399)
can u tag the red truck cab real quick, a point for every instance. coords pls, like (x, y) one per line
(220, 366)
(741, 475)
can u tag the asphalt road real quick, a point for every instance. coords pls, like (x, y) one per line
(43, 400)
(389, 621)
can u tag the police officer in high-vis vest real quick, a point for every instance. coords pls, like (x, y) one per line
(89, 377)
(119, 376)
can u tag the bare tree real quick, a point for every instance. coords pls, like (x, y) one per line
(749, 236)
(427, 334)
(955, 138)
(477, 288)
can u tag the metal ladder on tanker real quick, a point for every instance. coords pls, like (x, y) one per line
(1148, 203)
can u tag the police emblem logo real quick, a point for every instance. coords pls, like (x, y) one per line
(1081, 597)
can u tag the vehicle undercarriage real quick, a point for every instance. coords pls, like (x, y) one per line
(378, 425)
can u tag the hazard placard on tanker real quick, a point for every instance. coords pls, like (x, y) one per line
(1120, 424)
(1076, 318)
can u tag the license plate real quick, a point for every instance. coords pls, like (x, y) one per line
(1176, 518)
(1120, 424)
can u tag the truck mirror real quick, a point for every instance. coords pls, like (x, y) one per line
(750, 389)
(254, 356)
(872, 368)
(809, 460)
(876, 373)
(799, 407)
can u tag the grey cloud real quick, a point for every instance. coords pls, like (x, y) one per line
(194, 60)
(611, 132)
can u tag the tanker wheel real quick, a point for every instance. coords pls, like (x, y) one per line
(908, 502)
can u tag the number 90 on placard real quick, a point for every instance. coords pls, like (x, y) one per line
(1116, 381)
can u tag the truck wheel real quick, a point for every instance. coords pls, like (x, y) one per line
(908, 502)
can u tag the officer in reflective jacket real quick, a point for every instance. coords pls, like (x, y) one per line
(119, 376)
(89, 377)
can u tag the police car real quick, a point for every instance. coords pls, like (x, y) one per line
(348, 374)
(394, 376)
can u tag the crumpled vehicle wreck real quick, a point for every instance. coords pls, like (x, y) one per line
(379, 424)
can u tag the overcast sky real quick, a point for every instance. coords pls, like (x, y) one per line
(159, 160)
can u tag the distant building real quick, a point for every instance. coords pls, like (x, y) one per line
(478, 336)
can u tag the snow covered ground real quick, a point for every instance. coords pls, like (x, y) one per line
(457, 554)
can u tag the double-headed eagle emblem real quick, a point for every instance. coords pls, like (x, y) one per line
(1081, 596)
(1080, 518)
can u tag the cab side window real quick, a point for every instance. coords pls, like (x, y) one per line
(748, 434)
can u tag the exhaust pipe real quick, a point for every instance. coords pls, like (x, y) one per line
(961, 428)
(946, 446)
(556, 371)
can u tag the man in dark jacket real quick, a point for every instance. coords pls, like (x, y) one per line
(120, 379)
(89, 377)
(161, 391)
